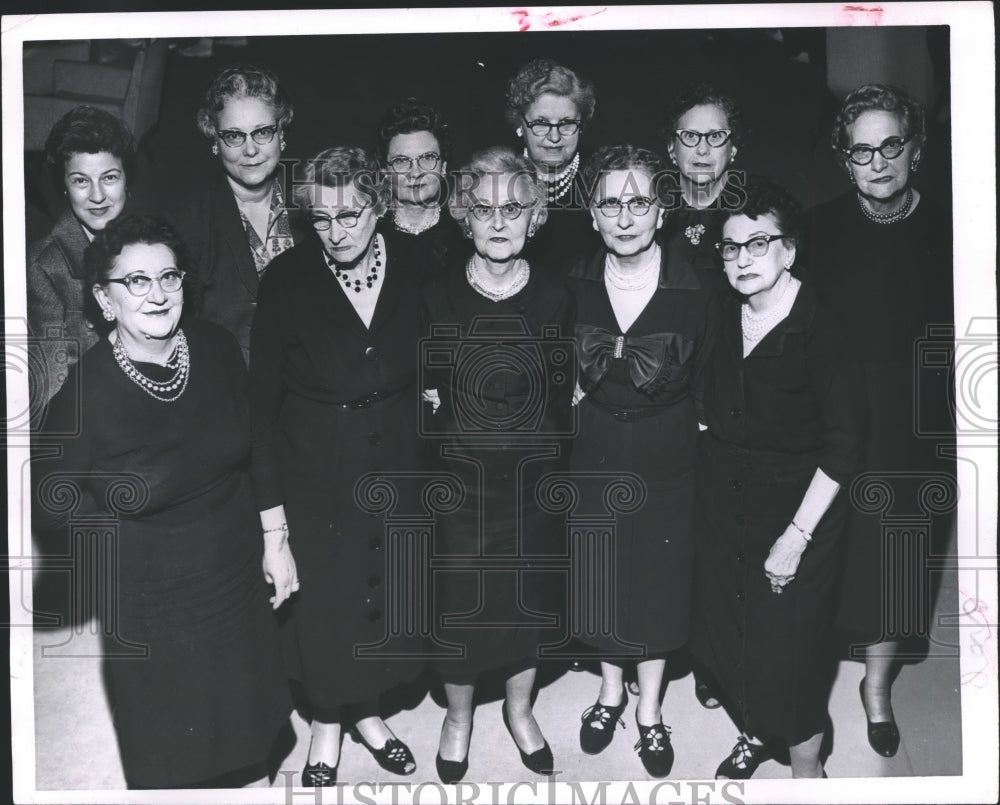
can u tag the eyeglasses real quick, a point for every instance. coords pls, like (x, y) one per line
(234, 138)
(891, 148)
(757, 246)
(716, 139)
(347, 219)
(427, 162)
(511, 210)
(541, 128)
(140, 284)
(612, 207)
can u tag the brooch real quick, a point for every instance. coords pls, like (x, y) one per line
(694, 233)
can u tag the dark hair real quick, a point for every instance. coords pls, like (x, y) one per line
(407, 117)
(243, 81)
(702, 95)
(341, 167)
(544, 75)
(618, 157)
(126, 230)
(764, 197)
(880, 98)
(88, 130)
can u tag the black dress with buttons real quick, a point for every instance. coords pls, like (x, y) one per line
(643, 423)
(333, 401)
(505, 414)
(793, 405)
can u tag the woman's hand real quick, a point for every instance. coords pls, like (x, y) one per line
(578, 394)
(783, 560)
(433, 397)
(279, 569)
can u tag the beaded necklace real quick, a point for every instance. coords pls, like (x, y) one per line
(478, 279)
(888, 217)
(419, 228)
(179, 361)
(757, 325)
(637, 279)
(355, 283)
(558, 186)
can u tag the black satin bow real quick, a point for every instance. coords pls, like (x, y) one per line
(598, 347)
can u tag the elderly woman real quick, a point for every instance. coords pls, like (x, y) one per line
(881, 257)
(333, 369)
(89, 153)
(644, 326)
(495, 298)
(548, 106)
(234, 222)
(162, 410)
(784, 435)
(413, 145)
(703, 130)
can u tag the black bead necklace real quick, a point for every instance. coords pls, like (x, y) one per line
(369, 279)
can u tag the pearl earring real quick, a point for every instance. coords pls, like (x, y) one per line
(914, 164)
(215, 149)
(519, 131)
(108, 314)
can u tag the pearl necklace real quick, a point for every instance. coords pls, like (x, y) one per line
(345, 276)
(478, 279)
(179, 361)
(757, 325)
(888, 217)
(558, 186)
(416, 230)
(636, 279)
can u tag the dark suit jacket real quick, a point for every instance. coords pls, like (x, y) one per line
(208, 222)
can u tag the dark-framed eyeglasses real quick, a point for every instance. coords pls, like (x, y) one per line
(612, 207)
(170, 281)
(891, 148)
(234, 138)
(347, 219)
(691, 138)
(511, 210)
(757, 246)
(426, 162)
(541, 128)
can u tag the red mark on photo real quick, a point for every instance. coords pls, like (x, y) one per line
(873, 13)
(525, 20)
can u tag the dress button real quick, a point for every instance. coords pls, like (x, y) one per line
(371, 353)
(740, 596)
(368, 602)
(374, 615)
(737, 485)
(90, 325)
(374, 438)
(736, 413)
(374, 581)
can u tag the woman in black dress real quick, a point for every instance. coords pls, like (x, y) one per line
(702, 130)
(548, 107)
(234, 220)
(644, 327)
(492, 394)
(164, 446)
(886, 238)
(784, 415)
(332, 377)
(413, 145)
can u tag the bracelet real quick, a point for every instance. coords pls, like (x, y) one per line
(283, 528)
(805, 534)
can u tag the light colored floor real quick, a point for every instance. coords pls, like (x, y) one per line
(76, 747)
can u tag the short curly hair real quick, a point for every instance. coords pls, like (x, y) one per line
(619, 157)
(343, 166)
(242, 81)
(764, 197)
(494, 162)
(88, 130)
(880, 98)
(407, 117)
(702, 95)
(127, 230)
(544, 75)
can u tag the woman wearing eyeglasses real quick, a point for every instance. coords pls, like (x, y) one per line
(234, 222)
(160, 446)
(333, 366)
(880, 255)
(784, 412)
(703, 130)
(644, 327)
(413, 145)
(548, 107)
(501, 418)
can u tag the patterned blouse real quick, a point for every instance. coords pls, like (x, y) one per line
(279, 232)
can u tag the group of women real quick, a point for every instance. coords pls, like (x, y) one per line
(705, 366)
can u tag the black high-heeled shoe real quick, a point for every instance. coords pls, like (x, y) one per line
(319, 775)
(540, 761)
(883, 736)
(451, 771)
(394, 756)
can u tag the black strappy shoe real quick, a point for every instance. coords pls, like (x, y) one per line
(599, 722)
